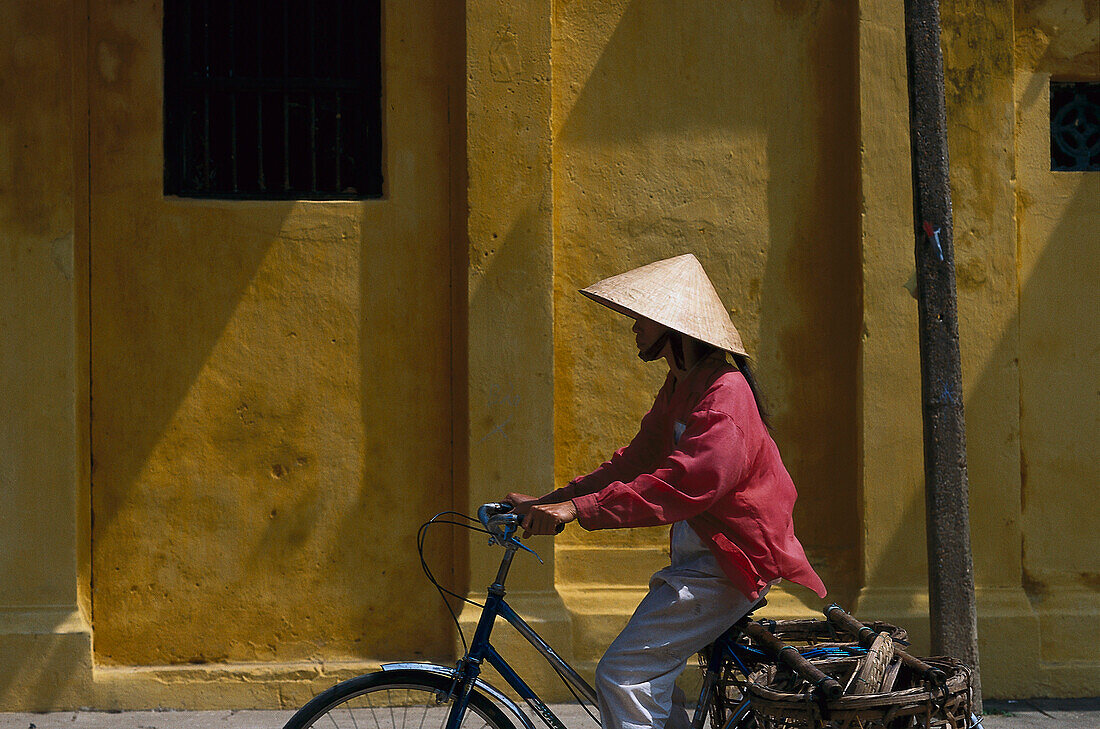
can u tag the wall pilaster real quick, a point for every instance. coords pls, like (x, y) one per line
(894, 579)
(45, 636)
(510, 290)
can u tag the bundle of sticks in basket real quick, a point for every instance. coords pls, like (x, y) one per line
(878, 670)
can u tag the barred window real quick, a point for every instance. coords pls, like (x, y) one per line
(1074, 125)
(272, 100)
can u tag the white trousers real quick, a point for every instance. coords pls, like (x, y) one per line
(690, 603)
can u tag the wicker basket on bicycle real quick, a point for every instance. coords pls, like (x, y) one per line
(782, 700)
(803, 634)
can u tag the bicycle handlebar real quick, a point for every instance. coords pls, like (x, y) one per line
(496, 517)
(501, 523)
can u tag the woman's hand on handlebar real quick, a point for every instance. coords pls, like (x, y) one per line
(547, 518)
(521, 503)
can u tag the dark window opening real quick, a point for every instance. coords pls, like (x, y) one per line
(1074, 125)
(272, 100)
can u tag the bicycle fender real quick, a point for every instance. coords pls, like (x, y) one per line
(495, 693)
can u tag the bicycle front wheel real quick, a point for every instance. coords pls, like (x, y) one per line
(404, 699)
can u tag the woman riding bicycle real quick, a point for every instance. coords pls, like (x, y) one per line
(703, 461)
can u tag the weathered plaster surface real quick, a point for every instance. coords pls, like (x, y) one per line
(270, 383)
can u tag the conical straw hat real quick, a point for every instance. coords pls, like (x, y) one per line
(675, 292)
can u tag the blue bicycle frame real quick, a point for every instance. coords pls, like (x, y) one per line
(481, 650)
(501, 527)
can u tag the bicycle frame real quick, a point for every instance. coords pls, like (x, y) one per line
(468, 669)
(481, 650)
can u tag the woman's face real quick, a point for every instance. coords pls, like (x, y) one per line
(646, 333)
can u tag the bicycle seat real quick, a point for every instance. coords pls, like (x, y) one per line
(747, 617)
(732, 632)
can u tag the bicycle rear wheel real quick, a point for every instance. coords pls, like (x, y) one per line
(730, 715)
(727, 704)
(407, 699)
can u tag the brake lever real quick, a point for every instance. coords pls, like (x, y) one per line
(524, 547)
(507, 537)
(511, 540)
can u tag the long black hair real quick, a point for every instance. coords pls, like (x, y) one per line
(705, 349)
(742, 363)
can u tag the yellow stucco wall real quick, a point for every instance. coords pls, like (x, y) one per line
(272, 387)
(511, 387)
(271, 383)
(233, 352)
(270, 380)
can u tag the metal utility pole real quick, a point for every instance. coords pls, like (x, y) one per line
(950, 564)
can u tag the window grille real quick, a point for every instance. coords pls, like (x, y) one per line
(1074, 125)
(273, 100)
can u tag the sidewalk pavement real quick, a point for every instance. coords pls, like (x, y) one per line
(1028, 714)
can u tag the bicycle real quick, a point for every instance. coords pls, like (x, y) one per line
(430, 695)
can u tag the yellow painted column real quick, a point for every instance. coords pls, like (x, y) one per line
(45, 637)
(893, 572)
(510, 285)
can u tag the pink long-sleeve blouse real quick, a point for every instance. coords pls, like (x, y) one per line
(703, 454)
